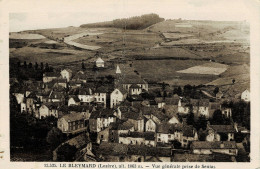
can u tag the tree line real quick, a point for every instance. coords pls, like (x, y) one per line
(135, 23)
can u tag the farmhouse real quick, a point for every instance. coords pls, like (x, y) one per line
(206, 147)
(221, 132)
(50, 76)
(48, 109)
(245, 95)
(117, 96)
(66, 74)
(72, 123)
(100, 62)
(99, 120)
(73, 100)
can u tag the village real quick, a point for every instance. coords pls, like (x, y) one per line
(122, 118)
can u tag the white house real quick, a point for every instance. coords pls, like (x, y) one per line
(150, 126)
(66, 74)
(135, 89)
(73, 100)
(245, 95)
(49, 76)
(47, 110)
(19, 97)
(101, 95)
(174, 120)
(100, 62)
(118, 71)
(86, 95)
(116, 97)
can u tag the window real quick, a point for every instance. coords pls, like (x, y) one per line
(159, 140)
(169, 136)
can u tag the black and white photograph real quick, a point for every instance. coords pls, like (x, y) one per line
(167, 82)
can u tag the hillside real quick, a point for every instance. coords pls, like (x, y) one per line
(134, 23)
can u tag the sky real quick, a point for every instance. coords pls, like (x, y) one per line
(30, 15)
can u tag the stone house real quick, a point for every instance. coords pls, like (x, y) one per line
(103, 136)
(245, 96)
(134, 89)
(100, 62)
(206, 147)
(56, 96)
(117, 96)
(165, 133)
(100, 95)
(48, 109)
(85, 95)
(150, 125)
(133, 116)
(72, 123)
(73, 100)
(220, 132)
(50, 76)
(128, 81)
(174, 120)
(66, 74)
(101, 119)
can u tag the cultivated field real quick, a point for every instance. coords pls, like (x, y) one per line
(25, 36)
(206, 69)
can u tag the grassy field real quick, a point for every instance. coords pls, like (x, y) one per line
(166, 70)
(114, 41)
(52, 56)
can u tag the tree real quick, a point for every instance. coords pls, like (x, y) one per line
(30, 65)
(187, 89)
(66, 153)
(179, 91)
(55, 137)
(18, 64)
(190, 118)
(83, 66)
(216, 90)
(217, 118)
(36, 65)
(25, 64)
(47, 67)
(233, 81)
(201, 123)
(42, 67)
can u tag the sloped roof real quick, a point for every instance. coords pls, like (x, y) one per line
(73, 117)
(80, 108)
(148, 151)
(135, 86)
(51, 74)
(165, 128)
(100, 60)
(84, 91)
(68, 70)
(145, 135)
(106, 148)
(199, 102)
(56, 95)
(104, 113)
(214, 145)
(132, 79)
(76, 99)
(171, 101)
(104, 89)
(187, 130)
(184, 157)
(223, 128)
